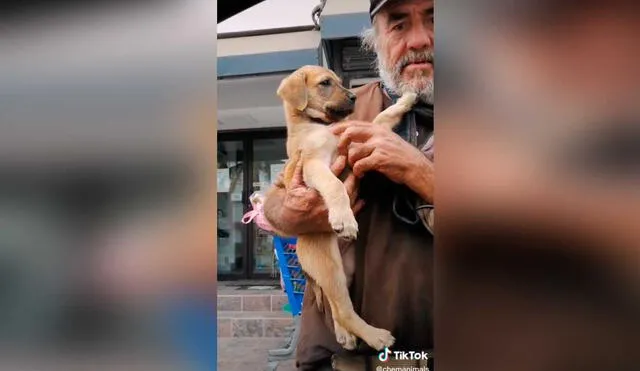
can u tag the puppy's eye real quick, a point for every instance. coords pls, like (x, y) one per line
(326, 82)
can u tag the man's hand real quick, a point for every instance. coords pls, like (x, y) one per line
(373, 148)
(300, 209)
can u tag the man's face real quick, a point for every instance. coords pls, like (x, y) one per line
(405, 46)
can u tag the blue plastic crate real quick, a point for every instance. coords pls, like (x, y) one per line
(291, 272)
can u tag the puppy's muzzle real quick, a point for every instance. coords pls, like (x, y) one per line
(338, 112)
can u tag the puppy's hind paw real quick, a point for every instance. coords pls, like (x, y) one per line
(378, 339)
(346, 339)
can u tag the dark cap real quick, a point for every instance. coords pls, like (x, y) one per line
(377, 5)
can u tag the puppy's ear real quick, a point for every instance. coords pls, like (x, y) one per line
(293, 90)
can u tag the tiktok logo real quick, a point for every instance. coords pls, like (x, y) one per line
(384, 355)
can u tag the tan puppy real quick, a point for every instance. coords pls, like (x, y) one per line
(314, 97)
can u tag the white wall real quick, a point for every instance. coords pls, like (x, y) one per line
(268, 43)
(271, 14)
(334, 7)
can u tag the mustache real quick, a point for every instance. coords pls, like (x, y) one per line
(424, 56)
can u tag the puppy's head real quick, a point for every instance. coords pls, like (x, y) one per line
(318, 93)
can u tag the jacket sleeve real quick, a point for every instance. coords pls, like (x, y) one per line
(427, 216)
(425, 211)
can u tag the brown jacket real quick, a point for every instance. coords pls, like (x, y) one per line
(393, 282)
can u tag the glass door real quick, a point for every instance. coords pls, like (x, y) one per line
(269, 156)
(231, 231)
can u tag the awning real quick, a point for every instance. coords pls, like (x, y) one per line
(267, 53)
(250, 103)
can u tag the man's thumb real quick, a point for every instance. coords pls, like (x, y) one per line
(297, 172)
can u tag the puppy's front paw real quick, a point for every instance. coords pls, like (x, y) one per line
(344, 224)
(407, 100)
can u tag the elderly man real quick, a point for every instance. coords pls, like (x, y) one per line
(391, 190)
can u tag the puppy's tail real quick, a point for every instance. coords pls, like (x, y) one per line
(317, 292)
(319, 301)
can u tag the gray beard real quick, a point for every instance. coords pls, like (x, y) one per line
(392, 80)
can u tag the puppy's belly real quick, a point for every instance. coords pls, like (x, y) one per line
(348, 253)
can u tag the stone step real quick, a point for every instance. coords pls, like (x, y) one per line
(252, 302)
(239, 324)
(226, 289)
(274, 314)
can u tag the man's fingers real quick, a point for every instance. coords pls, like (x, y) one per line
(357, 207)
(338, 165)
(298, 178)
(351, 185)
(364, 165)
(355, 134)
(339, 128)
(354, 197)
(280, 180)
(358, 151)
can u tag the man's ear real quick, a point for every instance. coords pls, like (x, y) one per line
(293, 90)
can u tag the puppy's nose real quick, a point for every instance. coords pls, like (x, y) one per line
(352, 97)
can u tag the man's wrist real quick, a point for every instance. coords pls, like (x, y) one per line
(291, 215)
(419, 178)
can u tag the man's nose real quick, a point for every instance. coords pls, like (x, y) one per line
(420, 37)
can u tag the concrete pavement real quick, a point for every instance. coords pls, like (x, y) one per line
(249, 354)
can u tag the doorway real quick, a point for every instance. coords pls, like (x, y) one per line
(247, 162)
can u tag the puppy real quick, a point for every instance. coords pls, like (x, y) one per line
(314, 97)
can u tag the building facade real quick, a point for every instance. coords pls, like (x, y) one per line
(251, 127)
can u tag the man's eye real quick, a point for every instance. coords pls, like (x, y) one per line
(325, 82)
(398, 27)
